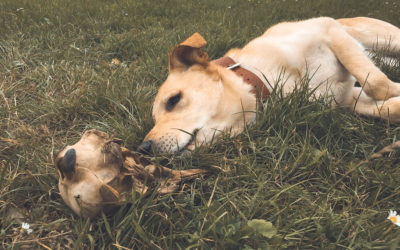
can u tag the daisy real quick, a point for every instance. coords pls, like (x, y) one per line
(394, 217)
(26, 226)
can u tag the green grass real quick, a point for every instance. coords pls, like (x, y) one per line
(299, 167)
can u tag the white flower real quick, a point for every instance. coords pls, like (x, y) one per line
(25, 226)
(394, 217)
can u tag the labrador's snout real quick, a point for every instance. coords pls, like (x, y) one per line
(146, 147)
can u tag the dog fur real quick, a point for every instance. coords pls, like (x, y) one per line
(200, 99)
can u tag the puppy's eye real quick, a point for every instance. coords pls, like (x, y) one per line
(172, 101)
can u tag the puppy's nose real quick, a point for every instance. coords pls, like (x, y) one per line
(145, 147)
(69, 160)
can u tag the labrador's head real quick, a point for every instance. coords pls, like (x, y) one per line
(198, 100)
(97, 174)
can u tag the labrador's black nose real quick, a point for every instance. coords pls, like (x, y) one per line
(145, 147)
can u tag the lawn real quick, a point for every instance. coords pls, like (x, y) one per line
(301, 171)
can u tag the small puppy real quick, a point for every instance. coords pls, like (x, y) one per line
(200, 98)
(97, 174)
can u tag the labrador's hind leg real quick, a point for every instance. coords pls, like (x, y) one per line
(373, 33)
(349, 52)
(362, 104)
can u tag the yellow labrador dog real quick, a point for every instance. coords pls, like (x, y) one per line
(200, 98)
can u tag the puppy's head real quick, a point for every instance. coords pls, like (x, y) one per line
(96, 174)
(197, 101)
(90, 177)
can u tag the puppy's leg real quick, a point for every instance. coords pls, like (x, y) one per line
(373, 33)
(365, 105)
(350, 53)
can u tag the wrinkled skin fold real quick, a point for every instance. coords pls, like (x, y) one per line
(97, 174)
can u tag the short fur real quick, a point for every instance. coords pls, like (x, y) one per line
(332, 52)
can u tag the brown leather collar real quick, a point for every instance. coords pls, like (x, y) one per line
(259, 88)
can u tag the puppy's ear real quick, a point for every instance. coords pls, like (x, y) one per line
(108, 193)
(188, 53)
(113, 147)
(118, 141)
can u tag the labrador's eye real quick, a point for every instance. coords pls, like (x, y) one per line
(172, 101)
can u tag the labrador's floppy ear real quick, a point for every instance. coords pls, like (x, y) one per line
(188, 53)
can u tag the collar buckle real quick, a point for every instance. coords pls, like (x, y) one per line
(233, 66)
